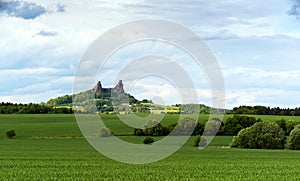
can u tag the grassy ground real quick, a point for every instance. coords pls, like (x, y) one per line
(50, 147)
(66, 126)
(74, 159)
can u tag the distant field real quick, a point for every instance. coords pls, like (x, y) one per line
(30, 125)
(51, 147)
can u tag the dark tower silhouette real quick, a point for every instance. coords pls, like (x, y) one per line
(97, 87)
(118, 88)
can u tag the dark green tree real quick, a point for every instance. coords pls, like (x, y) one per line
(294, 139)
(262, 135)
(11, 133)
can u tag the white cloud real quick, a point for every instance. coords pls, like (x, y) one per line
(256, 43)
(27, 10)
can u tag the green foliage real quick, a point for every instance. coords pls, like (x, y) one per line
(262, 135)
(138, 132)
(282, 123)
(212, 126)
(184, 127)
(199, 141)
(104, 132)
(11, 133)
(153, 128)
(262, 110)
(65, 100)
(31, 108)
(148, 140)
(294, 139)
(290, 124)
(236, 123)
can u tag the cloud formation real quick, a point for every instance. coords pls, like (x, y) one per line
(27, 10)
(295, 10)
(257, 46)
(47, 33)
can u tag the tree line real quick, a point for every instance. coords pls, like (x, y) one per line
(264, 110)
(32, 108)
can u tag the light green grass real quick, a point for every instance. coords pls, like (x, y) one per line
(74, 159)
(62, 125)
(49, 147)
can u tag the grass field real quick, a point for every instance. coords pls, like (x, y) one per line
(51, 147)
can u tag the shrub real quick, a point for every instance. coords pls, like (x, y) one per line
(138, 132)
(262, 135)
(11, 133)
(236, 123)
(148, 140)
(294, 139)
(290, 124)
(282, 124)
(104, 132)
(184, 127)
(212, 127)
(199, 141)
(199, 129)
(153, 128)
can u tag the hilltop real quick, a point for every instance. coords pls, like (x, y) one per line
(116, 100)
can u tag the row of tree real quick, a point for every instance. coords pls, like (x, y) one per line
(263, 110)
(189, 126)
(31, 108)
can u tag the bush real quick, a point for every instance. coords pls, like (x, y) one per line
(138, 132)
(185, 127)
(199, 129)
(236, 123)
(148, 140)
(294, 139)
(282, 124)
(212, 127)
(290, 124)
(11, 133)
(153, 128)
(262, 135)
(104, 132)
(199, 141)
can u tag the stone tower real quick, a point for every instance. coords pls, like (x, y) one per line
(118, 88)
(97, 87)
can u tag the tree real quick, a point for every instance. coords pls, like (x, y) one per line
(234, 124)
(199, 129)
(138, 132)
(153, 128)
(104, 132)
(11, 133)
(148, 140)
(212, 126)
(185, 127)
(294, 139)
(290, 124)
(199, 141)
(262, 135)
(282, 124)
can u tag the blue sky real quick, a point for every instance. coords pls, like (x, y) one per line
(256, 43)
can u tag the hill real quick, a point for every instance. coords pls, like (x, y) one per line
(116, 100)
(106, 99)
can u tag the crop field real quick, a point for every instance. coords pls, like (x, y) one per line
(51, 147)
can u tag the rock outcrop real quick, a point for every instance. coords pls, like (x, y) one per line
(118, 89)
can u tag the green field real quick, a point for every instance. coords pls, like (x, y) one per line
(51, 147)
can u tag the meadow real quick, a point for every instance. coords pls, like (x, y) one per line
(51, 147)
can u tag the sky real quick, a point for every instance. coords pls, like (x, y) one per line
(256, 44)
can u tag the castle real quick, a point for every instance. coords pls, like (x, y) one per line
(118, 89)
